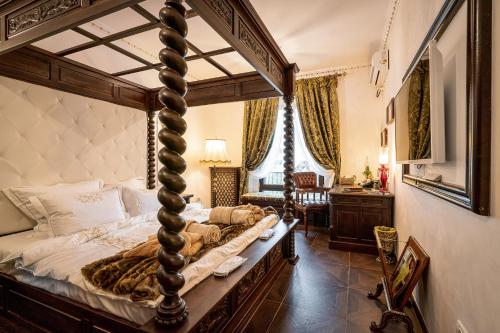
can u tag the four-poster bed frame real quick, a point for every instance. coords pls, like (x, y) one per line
(214, 305)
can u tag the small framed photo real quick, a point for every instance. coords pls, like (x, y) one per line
(389, 112)
(384, 141)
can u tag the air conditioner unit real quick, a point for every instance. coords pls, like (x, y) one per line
(379, 68)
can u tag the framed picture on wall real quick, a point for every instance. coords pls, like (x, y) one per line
(384, 138)
(389, 112)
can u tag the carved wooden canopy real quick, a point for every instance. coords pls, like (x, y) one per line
(24, 22)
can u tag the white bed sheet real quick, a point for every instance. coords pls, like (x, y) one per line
(39, 262)
(12, 245)
(199, 215)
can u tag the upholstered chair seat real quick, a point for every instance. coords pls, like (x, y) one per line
(309, 197)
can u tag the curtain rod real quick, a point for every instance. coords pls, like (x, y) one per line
(332, 71)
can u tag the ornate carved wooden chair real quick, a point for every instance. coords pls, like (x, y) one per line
(316, 197)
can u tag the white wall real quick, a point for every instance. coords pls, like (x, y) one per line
(463, 280)
(359, 123)
(221, 121)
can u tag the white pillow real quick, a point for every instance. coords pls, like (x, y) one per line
(20, 196)
(194, 205)
(136, 182)
(73, 212)
(138, 202)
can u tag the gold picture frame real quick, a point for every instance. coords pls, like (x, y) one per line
(384, 141)
(389, 112)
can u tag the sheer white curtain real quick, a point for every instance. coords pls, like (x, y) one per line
(274, 160)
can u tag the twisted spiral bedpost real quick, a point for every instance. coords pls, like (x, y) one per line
(151, 151)
(288, 207)
(288, 160)
(172, 310)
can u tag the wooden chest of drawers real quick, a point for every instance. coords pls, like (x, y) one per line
(353, 216)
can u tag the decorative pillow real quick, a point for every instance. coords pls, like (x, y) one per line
(138, 202)
(20, 196)
(73, 212)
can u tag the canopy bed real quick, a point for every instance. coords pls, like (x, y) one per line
(214, 305)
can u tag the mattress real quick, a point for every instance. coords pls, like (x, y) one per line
(133, 312)
(11, 246)
(54, 264)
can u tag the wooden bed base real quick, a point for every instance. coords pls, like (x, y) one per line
(215, 305)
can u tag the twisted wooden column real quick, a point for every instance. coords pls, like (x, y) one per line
(288, 207)
(288, 160)
(173, 309)
(151, 151)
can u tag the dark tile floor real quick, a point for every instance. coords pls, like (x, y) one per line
(325, 292)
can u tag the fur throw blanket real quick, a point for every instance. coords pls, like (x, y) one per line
(133, 272)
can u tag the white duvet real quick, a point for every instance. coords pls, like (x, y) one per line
(61, 258)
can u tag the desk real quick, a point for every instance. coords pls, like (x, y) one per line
(353, 216)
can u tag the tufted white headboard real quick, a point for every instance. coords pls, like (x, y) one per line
(48, 136)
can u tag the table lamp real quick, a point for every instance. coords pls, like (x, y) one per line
(383, 171)
(215, 154)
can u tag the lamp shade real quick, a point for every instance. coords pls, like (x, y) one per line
(383, 157)
(215, 152)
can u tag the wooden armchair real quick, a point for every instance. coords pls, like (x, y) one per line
(306, 183)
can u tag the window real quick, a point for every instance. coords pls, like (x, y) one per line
(272, 167)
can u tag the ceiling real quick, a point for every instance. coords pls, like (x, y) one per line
(319, 34)
(331, 33)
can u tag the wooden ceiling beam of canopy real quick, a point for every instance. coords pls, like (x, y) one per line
(189, 58)
(210, 54)
(110, 38)
(210, 60)
(240, 87)
(26, 21)
(238, 23)
(144, 13)
(156, 66)
(152, 24)
(112, 46)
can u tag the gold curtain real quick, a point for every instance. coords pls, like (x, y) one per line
(319, 115)
(259, 124)
(419, 112)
